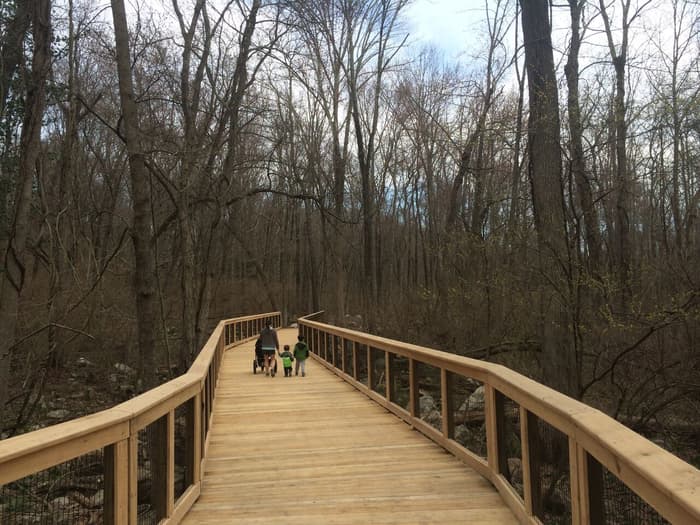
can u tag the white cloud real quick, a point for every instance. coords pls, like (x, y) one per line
(452, 26)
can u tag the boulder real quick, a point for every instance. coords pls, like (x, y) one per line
(462, 434)
(515, 467)
(434, 419)
(427, 404)
(476, 400)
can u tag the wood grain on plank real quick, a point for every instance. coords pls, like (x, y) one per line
(315, 450)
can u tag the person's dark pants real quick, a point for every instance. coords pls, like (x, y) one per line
(287, 371)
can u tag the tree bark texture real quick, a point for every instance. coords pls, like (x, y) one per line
(545, 174)
(30, 143)
(144, 274)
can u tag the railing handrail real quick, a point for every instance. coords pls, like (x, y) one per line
(32, 452)
(665, 481)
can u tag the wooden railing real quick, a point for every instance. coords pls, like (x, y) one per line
(152, 446)
(553, 459)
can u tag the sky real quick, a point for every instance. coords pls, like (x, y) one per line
(453, 26)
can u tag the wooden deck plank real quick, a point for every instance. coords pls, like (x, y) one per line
(313, 450)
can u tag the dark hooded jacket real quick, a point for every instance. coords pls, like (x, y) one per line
(268, 339)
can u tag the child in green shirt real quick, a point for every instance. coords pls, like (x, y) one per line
(301, 352)
(287, 359)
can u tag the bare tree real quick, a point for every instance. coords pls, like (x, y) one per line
(578, 166)
(619, 54)
(545, 173)
(371, 25)
(144, 274)
(14, 248)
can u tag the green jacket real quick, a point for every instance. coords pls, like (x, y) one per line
(301, 351)
(287, 359)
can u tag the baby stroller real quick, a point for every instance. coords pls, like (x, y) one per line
(259, 359)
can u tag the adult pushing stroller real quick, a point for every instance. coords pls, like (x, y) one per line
(259, 359)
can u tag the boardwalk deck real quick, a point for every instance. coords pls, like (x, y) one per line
(313, 450)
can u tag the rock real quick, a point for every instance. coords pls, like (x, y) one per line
(82, 362)
(427, 404)
(462, 434)
(124, 369)
(472, 384)
(476, 400)
(61, 503)
(98, 499)
(294, 325)
(434, 418)
(515, 467)
(58, 414)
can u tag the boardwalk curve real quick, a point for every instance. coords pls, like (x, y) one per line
(315, 450)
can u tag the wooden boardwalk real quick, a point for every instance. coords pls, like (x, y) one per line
(314, 450)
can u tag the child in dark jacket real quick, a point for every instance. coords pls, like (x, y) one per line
(301, 352)
(287, 359)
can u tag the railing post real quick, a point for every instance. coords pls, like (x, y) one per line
(116, 483)
(133, 476)
(194, 454)
(491, 426)
(525, 450)
(370, 369)
(343, 359)
(388, 356)
(534, 455)
(354, 361)
(448, 427)
(578, 483)
(413, 396)
(170, 457)
(499, 406)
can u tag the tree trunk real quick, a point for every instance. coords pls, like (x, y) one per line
(544, 170)
(578, 167)
(622, 246)
(141, 195)
(30, 144)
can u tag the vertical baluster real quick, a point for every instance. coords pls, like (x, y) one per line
(194, 441)
(413, 396)
(354, 361)
(342, 353)
(388, 356)
(170, 463)
(448, 427)
(491, 425)
(370, 368)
